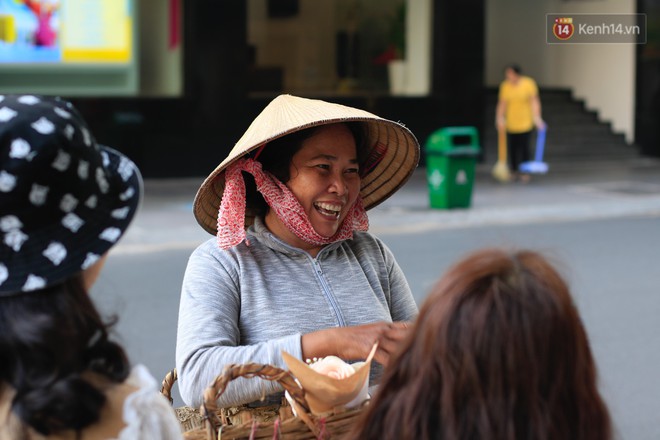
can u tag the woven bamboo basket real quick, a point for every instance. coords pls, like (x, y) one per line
(216, 424)
(189, 417)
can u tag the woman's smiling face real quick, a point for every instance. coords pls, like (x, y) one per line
(324, 177)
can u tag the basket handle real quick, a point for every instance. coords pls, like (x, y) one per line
(168, 383)
(209, 408)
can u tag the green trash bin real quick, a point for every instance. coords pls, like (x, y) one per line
(451, 155)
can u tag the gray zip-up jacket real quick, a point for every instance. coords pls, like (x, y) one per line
(248, 303)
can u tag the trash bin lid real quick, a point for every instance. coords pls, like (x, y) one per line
(459, 152)
(448, 139)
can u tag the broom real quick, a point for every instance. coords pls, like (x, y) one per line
(536, 166)
(501, 169)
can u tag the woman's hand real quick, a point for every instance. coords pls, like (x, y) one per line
(351, 343)
(539, 123)
(500, 124)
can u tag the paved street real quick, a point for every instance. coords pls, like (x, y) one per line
(600, 222)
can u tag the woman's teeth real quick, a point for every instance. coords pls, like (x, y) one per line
(328, 209)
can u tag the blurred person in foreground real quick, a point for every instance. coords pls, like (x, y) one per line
(64, 202)
(498, 352)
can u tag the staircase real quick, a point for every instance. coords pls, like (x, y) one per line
(574, 133)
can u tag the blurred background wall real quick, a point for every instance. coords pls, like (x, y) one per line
(200, 70)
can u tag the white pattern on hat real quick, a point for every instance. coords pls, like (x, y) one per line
(20, 148)
(4, 273)
(63, 113)
(2, 98)
(69, 131)
(62, 161)
(72, 222)
(7, 181)
(43, 126)
(72, 177)
(9, 223)
(28, 99)
(38, 194)
(125, 169)
(6, 114)
(120, 213)
(91, 202)
(15, 239)
(68, 203)
(101, 180)
(89, 260)
(86, 137)
(33, 283)
(127, 194)
(83, 169)
(110, 234)
(55, 252)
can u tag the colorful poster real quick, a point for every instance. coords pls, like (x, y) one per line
(66, 31)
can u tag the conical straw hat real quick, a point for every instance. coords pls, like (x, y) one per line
(392, 158)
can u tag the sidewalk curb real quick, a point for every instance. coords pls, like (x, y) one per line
(399, 221)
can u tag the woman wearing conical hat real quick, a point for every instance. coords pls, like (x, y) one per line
(292, 267)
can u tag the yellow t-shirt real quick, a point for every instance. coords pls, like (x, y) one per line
(518, 99)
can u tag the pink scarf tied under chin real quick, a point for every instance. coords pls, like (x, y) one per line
(231, 216)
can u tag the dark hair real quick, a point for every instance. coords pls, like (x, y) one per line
(48, 339)
(498, 352)
(515, 67)
(277, 155)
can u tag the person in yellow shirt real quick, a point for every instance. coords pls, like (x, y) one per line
(518, 112)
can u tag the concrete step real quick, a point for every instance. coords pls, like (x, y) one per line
(574, 133)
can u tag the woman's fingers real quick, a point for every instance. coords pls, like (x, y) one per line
(356, 342)
(390, 340)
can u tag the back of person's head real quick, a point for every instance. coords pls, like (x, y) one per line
(498, 352)
(64, 202)
(50, 342)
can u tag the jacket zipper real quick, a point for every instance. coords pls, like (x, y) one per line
(328, 294)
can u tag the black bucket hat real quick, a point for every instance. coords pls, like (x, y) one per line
(64, 199)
